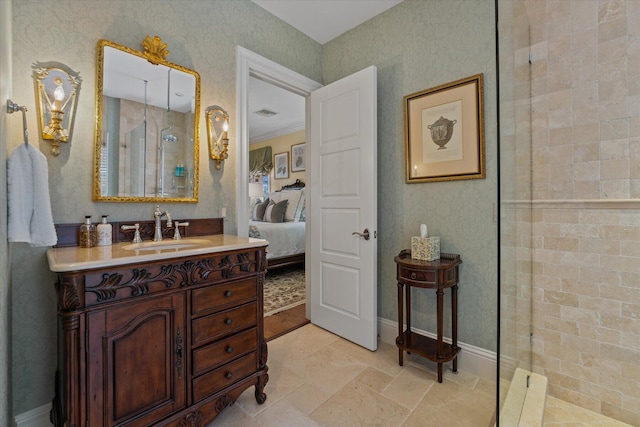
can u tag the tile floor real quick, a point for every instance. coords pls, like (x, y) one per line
(319, 379)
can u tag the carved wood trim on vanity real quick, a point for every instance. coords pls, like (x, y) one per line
(107, 313)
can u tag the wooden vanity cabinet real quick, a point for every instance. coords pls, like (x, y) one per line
(163, 343)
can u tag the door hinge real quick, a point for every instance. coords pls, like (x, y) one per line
(528, 377)
(531, 339)
(86, 341)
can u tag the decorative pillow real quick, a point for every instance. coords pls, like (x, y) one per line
(303, 215)
(276, 196)
(293, 196)
(258, 210)
(275, 211)
(299, 214)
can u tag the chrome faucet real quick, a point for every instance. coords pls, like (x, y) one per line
(176, 234)
(157, 215)
(136, 236)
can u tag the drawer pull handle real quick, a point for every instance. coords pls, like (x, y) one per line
(413, 276)
(228, 321)
(229, 349)
(228, 375)
(228, 294)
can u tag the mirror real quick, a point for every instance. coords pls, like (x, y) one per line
(146, 141)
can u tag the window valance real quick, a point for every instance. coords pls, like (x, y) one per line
(260, 161)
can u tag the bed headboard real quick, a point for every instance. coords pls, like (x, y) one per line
(298, 185)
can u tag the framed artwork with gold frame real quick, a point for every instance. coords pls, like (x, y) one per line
(444, 132)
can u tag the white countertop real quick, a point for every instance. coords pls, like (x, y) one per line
(76, 258)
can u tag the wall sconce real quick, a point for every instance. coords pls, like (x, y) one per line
(57, 88)
(217, 127)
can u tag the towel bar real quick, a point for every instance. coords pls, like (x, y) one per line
(12, 107)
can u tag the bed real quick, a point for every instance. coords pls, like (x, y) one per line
(286, 235)
(286, 241)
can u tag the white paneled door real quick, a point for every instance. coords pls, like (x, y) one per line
(342, 209)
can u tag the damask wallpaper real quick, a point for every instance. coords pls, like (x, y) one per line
(5, 303)
(201, 35)
(418, 46)
(415, 45)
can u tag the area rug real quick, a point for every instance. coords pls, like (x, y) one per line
(284, 288)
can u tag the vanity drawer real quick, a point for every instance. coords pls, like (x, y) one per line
(224, 350)
(217, 379)
(223, 323)
(207, 300)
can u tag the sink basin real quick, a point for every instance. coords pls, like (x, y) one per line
(165, 245)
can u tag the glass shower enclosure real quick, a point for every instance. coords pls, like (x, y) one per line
(514, 86)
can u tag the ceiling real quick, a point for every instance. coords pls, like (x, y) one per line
(322, 20)
(289, 109)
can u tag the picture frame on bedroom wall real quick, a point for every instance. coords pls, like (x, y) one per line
(281, 165)
(297, 157)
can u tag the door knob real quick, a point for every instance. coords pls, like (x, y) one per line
(364, 234)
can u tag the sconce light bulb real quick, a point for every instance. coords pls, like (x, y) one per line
(58, 93)
(225, 126)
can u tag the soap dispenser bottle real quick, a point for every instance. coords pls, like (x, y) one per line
(87, 233)
(105, 232)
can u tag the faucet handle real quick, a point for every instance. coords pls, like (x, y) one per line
(136, 236)
(176, 235)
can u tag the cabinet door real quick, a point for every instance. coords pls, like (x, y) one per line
(136, 362)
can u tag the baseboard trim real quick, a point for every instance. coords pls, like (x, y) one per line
(472, 359)
(37, 417)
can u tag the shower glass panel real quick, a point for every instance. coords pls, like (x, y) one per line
(131, 178)
(515, 209)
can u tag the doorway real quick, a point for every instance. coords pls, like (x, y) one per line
(254, 68)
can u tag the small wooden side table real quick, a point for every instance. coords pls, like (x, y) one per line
(439, 274)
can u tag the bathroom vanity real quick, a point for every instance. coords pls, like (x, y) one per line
(164, 333)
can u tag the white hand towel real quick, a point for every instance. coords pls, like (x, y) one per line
(29, 204)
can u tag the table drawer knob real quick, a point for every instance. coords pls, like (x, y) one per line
(228, 294)
(228, 375)
(228, 321)
(229, 349)
(413, 276)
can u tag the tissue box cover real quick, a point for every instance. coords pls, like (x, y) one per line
(425, 248)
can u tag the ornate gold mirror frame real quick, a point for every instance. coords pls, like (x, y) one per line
(147, 121)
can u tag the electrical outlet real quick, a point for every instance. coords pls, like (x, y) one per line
(223, 212)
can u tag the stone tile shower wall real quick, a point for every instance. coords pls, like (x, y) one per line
(586, 202)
